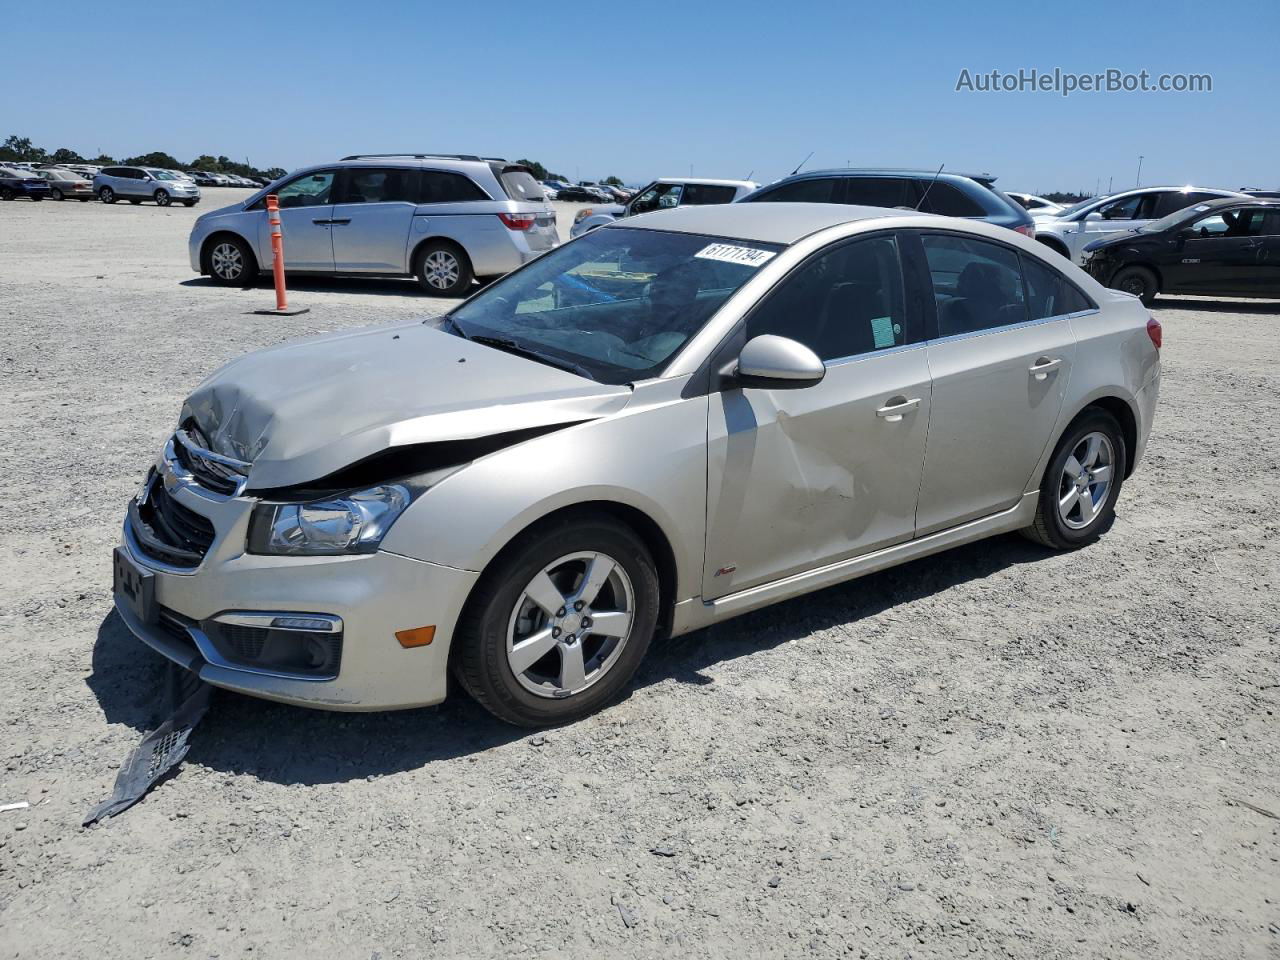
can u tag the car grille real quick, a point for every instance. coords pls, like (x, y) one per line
(191, 449)
(167, 531)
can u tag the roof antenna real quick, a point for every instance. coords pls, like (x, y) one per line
(748, 176)
(800, 164)
(929, 187)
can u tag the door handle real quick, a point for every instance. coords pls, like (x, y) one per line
(322, 221)
(337, 223)
(894, 410)
(1044, 366)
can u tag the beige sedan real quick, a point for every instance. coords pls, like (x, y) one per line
(67, 184)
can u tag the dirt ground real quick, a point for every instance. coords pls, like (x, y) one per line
(993, 752)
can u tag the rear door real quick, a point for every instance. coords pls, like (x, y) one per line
(800, 478)
(1000, 366)
(1269, 266)
(371, 219)
(306, 213)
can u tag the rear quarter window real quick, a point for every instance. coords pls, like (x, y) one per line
(436, 186)
(948, 201)
(879, 192)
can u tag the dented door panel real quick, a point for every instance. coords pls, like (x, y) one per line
(798, 478)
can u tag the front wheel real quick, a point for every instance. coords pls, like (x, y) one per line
(1081, 484)
(559, 623)
(231, 262)
(1138, 281)
(443, 269)
(107, 195)
(162, 198)
(189, 203)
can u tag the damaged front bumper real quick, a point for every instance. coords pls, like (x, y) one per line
(370, 598)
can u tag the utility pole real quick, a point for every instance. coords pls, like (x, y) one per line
(1139, 183)
(1109, 179)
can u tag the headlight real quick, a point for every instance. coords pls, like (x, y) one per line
(355, 523)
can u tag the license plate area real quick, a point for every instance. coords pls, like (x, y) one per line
(133, 586)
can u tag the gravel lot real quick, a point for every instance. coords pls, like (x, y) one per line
(992, 752)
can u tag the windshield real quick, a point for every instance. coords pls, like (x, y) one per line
(1175, 218)
(1076, 207)
(617, 302)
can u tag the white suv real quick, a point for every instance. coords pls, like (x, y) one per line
(136, 184)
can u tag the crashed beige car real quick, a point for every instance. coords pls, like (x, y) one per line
(668, 422)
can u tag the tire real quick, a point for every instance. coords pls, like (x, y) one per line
(6, 193)
(230, 262)
(107, 195)
(189, 203)
(56, 194)
(501, 614)
(443, 269)
(162, 198)
(1136, 280)
(135, 202)
(1094, 440)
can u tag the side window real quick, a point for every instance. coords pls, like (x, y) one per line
(377, 185)
(1171, 201)
(1271, 225)
(1230, 223)
(878, 192)
(1049, 293)
(947, 200)
(842, 303)
(697, 194)
(311, 190)
(817, 190)
(660, 196)
(437, 186)
(1126, 208)
(977, 284)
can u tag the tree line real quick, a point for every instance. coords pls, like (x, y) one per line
(22, 149)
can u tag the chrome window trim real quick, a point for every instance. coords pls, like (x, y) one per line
(871, 354)
(1013, 326)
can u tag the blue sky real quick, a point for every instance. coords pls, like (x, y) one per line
(652, 90)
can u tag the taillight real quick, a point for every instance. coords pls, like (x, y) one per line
(518, 221)
(1155, 332)
(1027, 230)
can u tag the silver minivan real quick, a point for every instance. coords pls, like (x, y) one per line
(136, 184)
(446, 220)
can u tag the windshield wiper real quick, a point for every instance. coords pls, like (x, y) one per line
(511, 346)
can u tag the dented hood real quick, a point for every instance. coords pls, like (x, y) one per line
(300, 412)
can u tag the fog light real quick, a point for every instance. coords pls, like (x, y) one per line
(304, 623)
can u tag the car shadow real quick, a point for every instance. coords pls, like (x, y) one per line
(292, 745)
(374, 286)
(1217, 306)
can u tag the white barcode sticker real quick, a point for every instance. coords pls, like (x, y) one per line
(731, 253)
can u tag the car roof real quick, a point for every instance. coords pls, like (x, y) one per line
(706, 181)
(783, 223)
(894, 172)
(1224, 202)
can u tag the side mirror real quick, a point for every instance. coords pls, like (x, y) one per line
(777, 363)
(1093, 215)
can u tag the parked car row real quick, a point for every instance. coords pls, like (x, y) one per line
(589, 192)
(135, 184)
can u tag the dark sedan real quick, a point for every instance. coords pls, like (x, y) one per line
(17, 182)
(1228, 247)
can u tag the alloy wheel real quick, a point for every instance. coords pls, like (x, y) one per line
(441, 269)
(226, 261)
(570, 624)
(1086, 480)
(162, 198)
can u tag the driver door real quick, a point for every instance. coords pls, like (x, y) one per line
(804, 477)
(306, 222)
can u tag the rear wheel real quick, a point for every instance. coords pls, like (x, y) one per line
(56, 194)
(107, 195)
(559, 623)
(443, 269)
(1138, 281)
(230, 262)
(6, 193)
(1081, 484)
